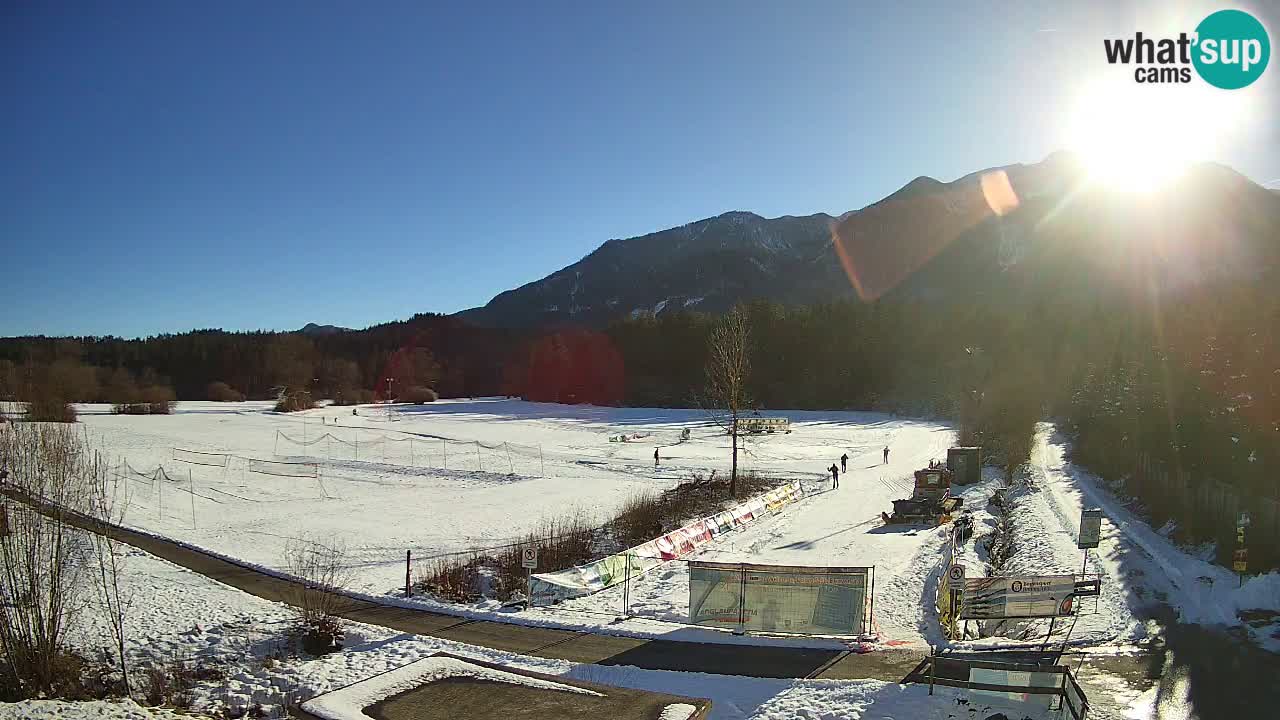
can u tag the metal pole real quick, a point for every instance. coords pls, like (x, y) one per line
(541, 463)
(626, 589)
(871, 613)
(478, 460)
(510, 466)
(933, 660)
(408, 555)
(160, 494)
(411, 462)
(275, 449)
(445, 443)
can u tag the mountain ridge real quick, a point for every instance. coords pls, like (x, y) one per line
(985, 222)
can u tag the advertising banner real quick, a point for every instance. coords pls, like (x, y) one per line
(779, 598)
(600, 574)
(1018, 596)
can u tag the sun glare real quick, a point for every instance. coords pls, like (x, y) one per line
(1137, 138)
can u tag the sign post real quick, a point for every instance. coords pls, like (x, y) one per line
(529, 561)
(955, 574)
(1090, 533)
(1240, 560)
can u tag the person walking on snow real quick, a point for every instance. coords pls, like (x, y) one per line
(886, 454)
(835, 476)
(655, 457)
(844, 463)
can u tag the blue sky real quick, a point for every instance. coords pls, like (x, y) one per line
(262, 165)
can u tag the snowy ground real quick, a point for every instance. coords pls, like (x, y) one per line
(417, 483)
(381, 505)
(178, 614)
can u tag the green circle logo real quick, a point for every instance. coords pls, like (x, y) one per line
(1232, 49)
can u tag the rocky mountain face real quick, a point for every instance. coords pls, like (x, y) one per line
(1023, 228)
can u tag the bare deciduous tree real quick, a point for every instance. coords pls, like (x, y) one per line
(728, 367)
(42, 574)
(108, 503)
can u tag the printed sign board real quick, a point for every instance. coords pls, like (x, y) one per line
(1018, 596)
(1090, 528)
(779, 598)
(765, 425)
(529, 558)
(1240, 562)
(956, 573)
(1089, 587)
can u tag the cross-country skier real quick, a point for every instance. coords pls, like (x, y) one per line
(844, 463)
(835, 476)
(655, 457)
(886, 454)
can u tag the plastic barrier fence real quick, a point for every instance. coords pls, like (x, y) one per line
(200, 457)
(284, 469)
(596, 576)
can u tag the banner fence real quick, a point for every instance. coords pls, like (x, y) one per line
(781, 598)
(553, 587)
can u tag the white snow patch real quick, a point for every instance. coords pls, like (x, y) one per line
(677, 711)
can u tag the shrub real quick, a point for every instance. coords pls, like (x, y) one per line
(418, 395)
(159, 399)
(50, 408)
(153, 400)
(321, 570)
(221, 392)
(351, 395)
(295, 401)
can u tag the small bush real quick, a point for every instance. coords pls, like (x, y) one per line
(222, 392)
(295, 401)
(153, 400)
(352, 396)
(159, 399)
(50, 408)
(418, 395)
(321, 570)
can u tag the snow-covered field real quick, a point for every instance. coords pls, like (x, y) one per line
(463, 473)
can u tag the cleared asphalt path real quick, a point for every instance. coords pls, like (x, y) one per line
(580, 647)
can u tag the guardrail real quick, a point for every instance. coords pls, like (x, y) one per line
(1010, 678)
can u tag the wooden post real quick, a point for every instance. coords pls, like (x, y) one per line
(478, 460)
(445, 444)
(192, 484)
(511, 466)
(541, 463)
(159, 493)
(933, 661)
(408, 589)
(411, 462)
(275, 449)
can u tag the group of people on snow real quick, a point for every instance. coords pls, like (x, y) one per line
(835, 469)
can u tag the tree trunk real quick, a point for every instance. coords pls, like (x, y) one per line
(733, 474)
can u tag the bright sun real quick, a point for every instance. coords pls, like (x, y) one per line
(1137, 138)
